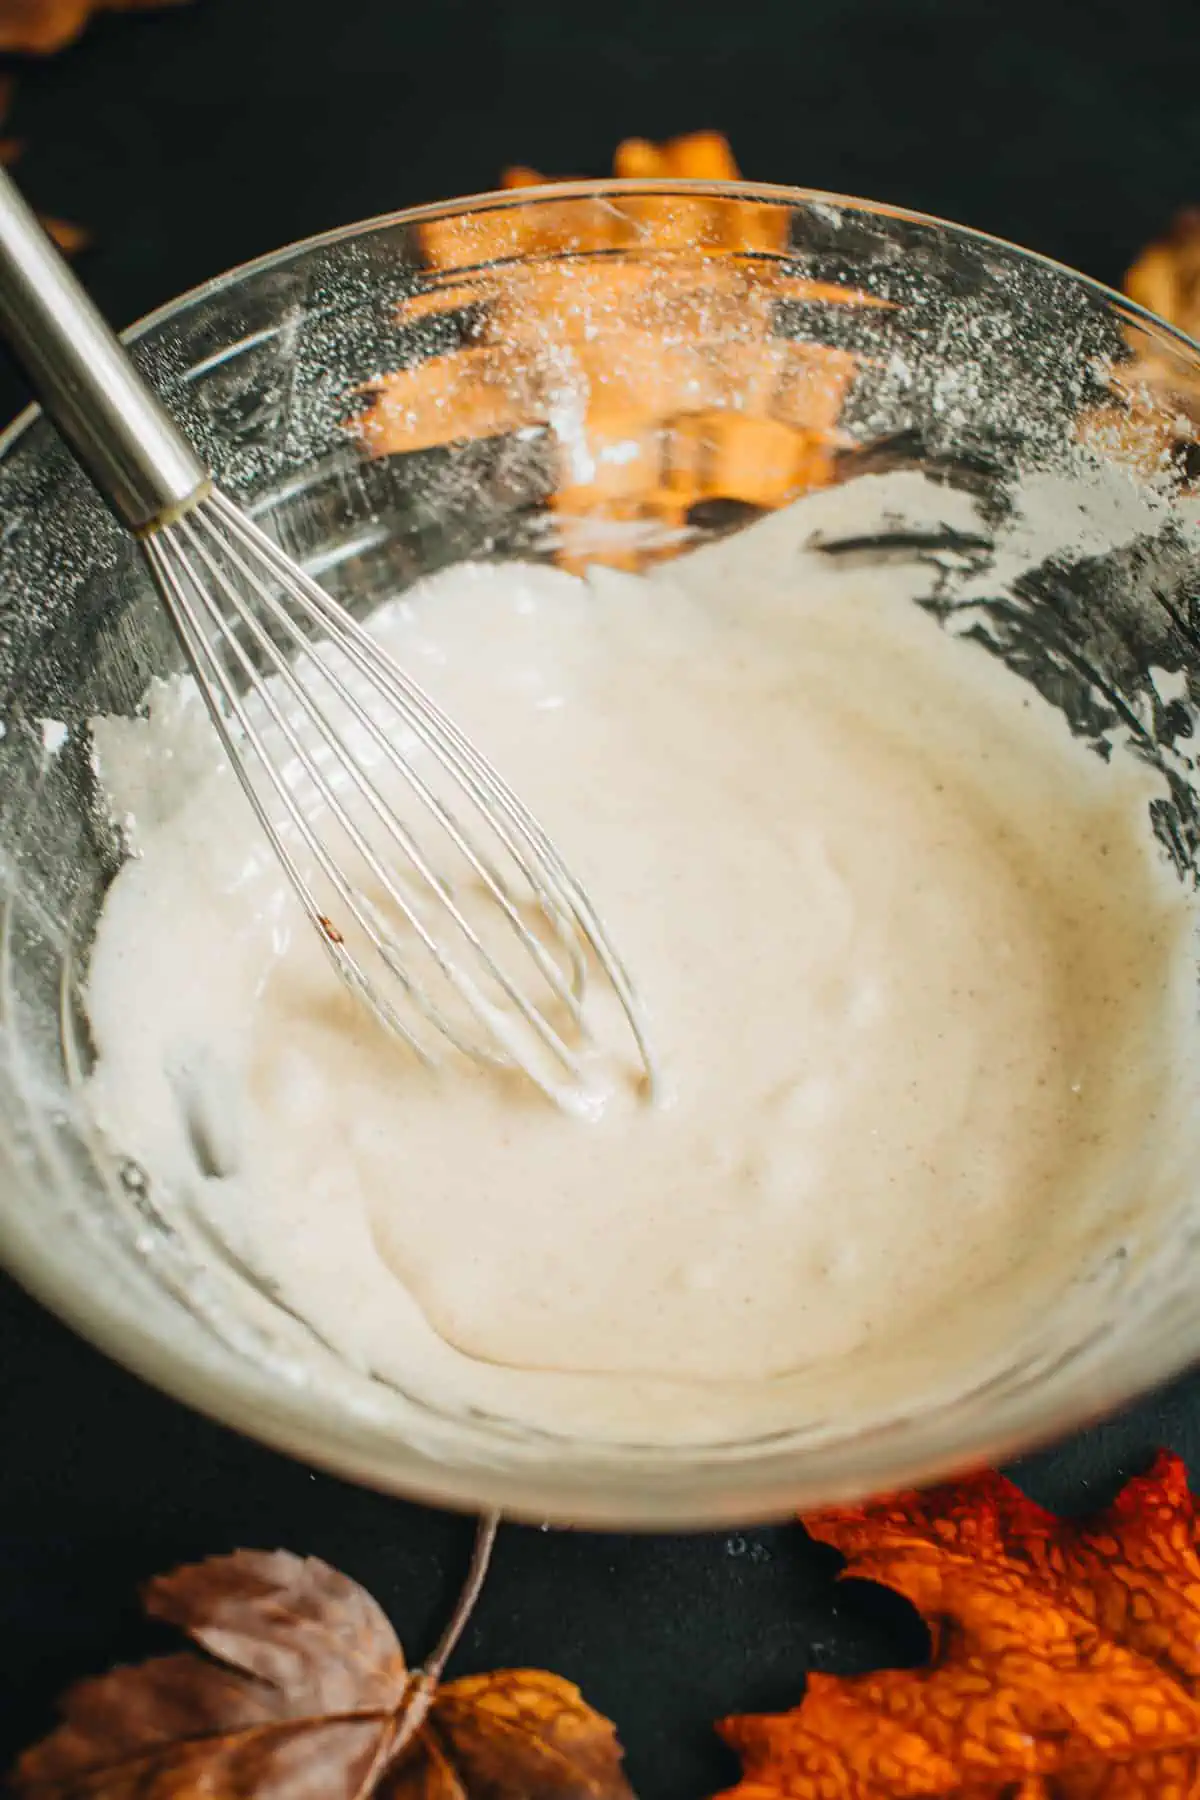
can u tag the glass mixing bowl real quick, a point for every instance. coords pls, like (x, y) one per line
(614, 371)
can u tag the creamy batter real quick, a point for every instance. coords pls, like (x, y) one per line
(921, 988)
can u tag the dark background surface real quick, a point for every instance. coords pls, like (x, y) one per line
(189, 141)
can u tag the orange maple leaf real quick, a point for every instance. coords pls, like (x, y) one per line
(1166, 276)
(1153, 419)
(1065, 1663)
(683, 388)
(44, 26)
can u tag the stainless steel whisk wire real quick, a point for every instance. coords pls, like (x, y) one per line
(177, 570)
(230, 592)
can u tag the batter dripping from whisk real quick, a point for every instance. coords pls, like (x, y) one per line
(920, 987)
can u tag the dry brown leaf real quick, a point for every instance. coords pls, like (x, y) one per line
(1065, 1664)
(43, 26)
(303, 1693)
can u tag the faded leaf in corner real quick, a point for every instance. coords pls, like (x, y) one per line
(43, 26)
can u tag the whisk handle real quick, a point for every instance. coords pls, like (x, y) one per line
(77, 366)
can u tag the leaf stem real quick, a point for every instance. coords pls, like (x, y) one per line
(472, 1587)
(424, 1684)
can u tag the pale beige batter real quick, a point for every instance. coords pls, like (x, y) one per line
(920, 986)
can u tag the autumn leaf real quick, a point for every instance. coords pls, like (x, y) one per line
(43, 26)
(1161, 387)
(688, 392)
(302, 1693)
(1065, 1661)
(1166, 276)
(1152, 422)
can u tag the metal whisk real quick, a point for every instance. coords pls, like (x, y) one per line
(482, 937)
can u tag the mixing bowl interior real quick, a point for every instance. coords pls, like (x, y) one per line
(580, 374)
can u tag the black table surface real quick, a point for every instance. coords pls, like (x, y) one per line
(190, 140)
